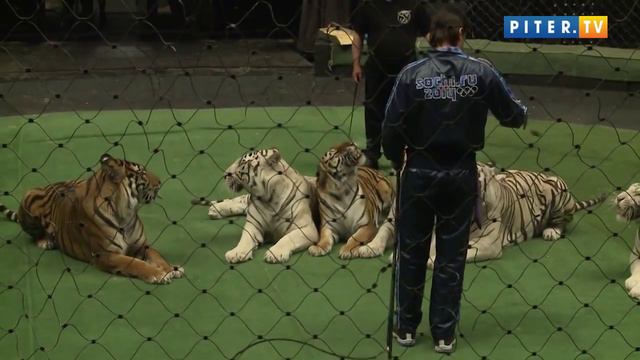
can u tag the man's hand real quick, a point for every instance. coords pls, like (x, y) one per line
(357, 72)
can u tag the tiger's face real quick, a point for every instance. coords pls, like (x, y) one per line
(341, 161)
(628, 203)
(140, 183)
(246, 172)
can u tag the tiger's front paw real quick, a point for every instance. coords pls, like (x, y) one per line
(551, 234)
(316, 250)
(177, 272)
(635, 292)
(348, 252)
(238, 255)
(216, 211)
(214, 215)
(46, 244)
(159, 278)
(276, 255)
(221, 209)
(632, 282)
(366, 251)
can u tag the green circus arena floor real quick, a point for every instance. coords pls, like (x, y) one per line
(548, 300)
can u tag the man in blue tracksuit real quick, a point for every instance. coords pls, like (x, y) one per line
(434, 124)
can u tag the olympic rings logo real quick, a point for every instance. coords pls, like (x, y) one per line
(466, 90)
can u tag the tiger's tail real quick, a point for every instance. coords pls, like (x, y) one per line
(581, 205)
(10, 214)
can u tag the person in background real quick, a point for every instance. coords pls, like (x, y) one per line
(391, 28)
(434, 124)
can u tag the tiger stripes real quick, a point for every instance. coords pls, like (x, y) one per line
(354, 203)
(532, 203)
(279, 206)
(95, 220)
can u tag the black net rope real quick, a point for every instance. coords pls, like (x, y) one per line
(186, 87)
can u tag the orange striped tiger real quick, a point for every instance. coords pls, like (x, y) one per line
(354, 204)
(96, 220)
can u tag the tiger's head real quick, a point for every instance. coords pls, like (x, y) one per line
(628, 203)
(252, 169)
(136, 180)
(486, 177)
(341, 161)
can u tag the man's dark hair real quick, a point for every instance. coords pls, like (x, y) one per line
(445, 25)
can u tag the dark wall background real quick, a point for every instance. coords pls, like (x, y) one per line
(24, 19)
(58, 19)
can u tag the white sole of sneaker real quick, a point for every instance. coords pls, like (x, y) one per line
(404, 342)
(445, 349)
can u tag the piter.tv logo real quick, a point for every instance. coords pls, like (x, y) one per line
(555, 27)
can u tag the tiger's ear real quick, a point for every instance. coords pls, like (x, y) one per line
(112, 167)
(354, 155)
(274, 158)
(491, 164)
(104, 158)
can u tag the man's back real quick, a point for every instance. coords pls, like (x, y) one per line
(437, 112)
(441, 104)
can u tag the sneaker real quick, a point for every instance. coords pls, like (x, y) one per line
(371, 163)
(445, 348)
(405, 338)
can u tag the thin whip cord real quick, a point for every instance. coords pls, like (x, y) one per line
(394, 263)
(353, 106)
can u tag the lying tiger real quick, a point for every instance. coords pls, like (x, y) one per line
(280, 205)
(519, 205)
(628, 207)
(354, 204)
(96, 220)
(353, 201)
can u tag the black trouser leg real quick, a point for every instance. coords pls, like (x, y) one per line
(379, 81)
(455, 202)
(450, 197)
(414, 224)
(152, 7)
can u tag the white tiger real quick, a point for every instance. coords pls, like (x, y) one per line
(517, 205)
(279, 205)
(355, 203)
(628, 208)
